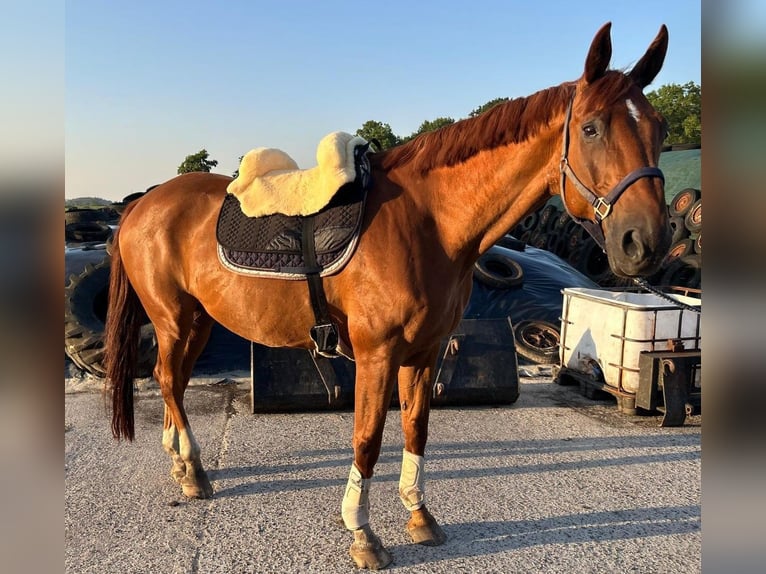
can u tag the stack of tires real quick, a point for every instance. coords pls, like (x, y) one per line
(552, 229)
(683, 265)
(89, 225)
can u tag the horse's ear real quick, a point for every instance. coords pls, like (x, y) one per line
(644, 72)
(599, 54)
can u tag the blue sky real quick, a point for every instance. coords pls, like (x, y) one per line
(148, 83)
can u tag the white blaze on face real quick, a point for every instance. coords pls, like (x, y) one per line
(633, 110)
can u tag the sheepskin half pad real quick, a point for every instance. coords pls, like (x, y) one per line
(269, 180)
(272, 246)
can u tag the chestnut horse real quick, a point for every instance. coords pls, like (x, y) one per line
(436, 203)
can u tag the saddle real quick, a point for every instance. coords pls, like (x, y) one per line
(298, 246)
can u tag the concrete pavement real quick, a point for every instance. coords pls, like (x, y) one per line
(552, 483)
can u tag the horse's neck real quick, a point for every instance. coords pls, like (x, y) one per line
(476, 202)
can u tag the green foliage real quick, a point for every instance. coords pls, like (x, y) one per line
(379, 131)
(429, 126)
(197, 162)
(681, 105)
(87, 202)
(485, 107)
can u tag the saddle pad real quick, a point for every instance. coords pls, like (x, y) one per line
(272, 245)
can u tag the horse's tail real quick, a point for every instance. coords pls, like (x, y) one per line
(124, 318)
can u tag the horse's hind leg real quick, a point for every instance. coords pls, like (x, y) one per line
(414, 398)
(181, 335)
(195, 344)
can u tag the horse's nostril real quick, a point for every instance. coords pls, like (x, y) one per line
(632, 245)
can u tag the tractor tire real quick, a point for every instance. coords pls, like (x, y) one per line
(85, 303)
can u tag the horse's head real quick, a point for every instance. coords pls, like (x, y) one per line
(609, 174)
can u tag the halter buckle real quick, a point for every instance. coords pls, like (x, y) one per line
(601, 208)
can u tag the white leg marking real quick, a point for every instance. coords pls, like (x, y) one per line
(188, 446)
(355, 508)
(633, 110)
(170, 440)
(411, 482)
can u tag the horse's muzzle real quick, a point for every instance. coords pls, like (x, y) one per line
(638, 251)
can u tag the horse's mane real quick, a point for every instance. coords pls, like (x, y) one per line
(513, 121)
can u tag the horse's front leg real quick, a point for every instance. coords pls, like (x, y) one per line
(373, 389)
(170, 444)
(415, 381)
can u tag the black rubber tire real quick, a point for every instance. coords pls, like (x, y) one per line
(682, 202)
(552, 240)
(698, 244)
(84, 232)
(560, 246)
(679, 229)
(562, 222)
(680, 249)
(537, 341)
(593, 262)
(510, 242)
(529, 223)
(498, 271)
(683, 272)
(100, 215)
(85, 301)
(548, 216)
(538, 239)
(693, 219)
(577, 237)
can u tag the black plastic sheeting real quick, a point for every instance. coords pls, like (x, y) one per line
(539, 297)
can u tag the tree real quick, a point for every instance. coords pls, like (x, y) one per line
(485, 107)
(681, 105)
(197, 162)
(429, 126)
(379, 131)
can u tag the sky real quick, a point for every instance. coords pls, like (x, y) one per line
(148, 83)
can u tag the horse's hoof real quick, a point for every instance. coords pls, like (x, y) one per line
(424, 529)
(367, 551)
(197, 486)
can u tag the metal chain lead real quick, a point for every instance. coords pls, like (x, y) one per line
(645, 285)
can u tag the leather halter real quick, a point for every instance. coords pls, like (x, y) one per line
(602, 206)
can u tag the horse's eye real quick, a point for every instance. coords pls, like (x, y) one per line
(589, 131)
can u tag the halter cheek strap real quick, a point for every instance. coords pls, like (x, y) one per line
(602, 206)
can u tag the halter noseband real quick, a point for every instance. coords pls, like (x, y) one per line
(602, 206)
